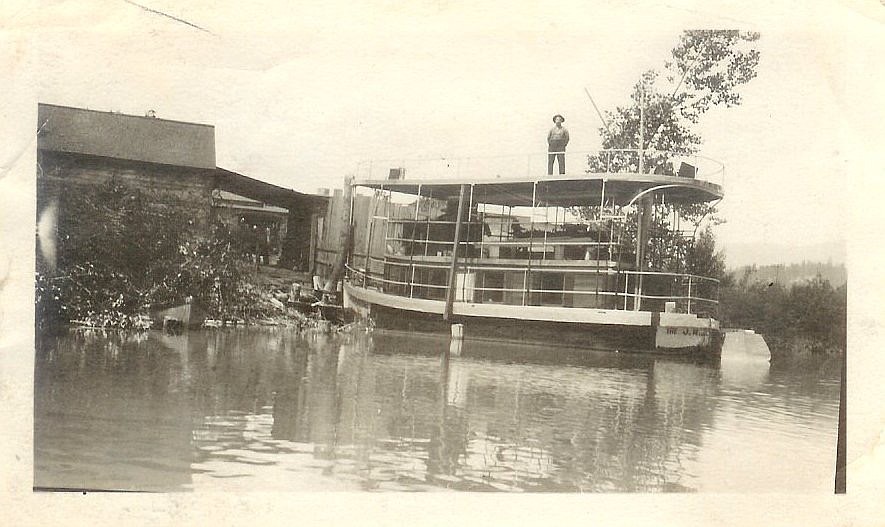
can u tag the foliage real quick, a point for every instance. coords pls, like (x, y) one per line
(706, 69)
(810, 312)
(835, 273)
(122, 250)
(701, 258)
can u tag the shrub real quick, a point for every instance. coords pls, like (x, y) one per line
(122, 250)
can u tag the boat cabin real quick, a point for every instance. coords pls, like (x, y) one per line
(604, 240)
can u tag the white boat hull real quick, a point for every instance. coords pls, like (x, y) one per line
(620, 330)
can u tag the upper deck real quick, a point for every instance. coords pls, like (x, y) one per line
(588, 179)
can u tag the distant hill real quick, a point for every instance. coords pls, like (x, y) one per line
(835, 273)
(743, 254)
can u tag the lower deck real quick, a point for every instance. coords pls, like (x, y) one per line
(596, 329)
(595, 284)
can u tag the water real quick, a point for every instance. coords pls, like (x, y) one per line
(267, 409)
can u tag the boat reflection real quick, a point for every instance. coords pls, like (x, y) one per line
(404, 411)
(273, 410)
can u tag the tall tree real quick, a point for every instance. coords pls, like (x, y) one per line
(705, 70)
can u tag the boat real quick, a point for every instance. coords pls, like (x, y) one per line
(178, 315)
(587, 259)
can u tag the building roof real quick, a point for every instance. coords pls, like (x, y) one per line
(129, 137)
(271, 194)
(223, 198)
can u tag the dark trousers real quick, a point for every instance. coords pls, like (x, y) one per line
(552, 157)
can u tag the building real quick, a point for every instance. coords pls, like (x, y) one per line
(172, 162)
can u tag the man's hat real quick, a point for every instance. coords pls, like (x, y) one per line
(557, 115)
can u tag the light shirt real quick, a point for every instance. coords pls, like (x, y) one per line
(558, 134)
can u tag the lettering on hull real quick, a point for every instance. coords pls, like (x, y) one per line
(682, 337)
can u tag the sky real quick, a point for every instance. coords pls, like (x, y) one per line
(299, 94)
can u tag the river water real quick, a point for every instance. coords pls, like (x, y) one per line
(269, 409)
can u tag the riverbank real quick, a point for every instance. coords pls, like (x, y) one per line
(211, 289)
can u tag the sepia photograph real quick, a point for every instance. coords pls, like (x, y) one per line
(382, 248)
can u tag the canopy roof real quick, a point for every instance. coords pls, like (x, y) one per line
(565, 192)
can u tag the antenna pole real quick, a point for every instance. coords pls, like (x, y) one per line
(601, 118)
(642, 128)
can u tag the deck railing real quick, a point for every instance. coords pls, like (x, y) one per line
(607, 161)
(614, 289)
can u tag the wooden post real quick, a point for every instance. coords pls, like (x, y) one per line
(841, 437)
(314, 228)
(346, 237)
(450, 290)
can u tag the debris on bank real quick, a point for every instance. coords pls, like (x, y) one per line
(273, 305)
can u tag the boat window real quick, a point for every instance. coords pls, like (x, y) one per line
(492, 280)
(547, 289)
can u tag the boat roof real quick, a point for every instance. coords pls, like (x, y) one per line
(561, 192)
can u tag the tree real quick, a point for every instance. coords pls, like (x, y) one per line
(121, 250)
(706, 69)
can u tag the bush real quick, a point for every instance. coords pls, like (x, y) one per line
(809, 315)
(122, 251)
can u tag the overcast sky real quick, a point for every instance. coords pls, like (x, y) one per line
(299, 95)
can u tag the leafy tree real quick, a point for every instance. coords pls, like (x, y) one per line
(701, 257)
(122, 250)
(706, 69)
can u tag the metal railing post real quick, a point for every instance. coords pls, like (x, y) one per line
(626, 288)
(688, 308)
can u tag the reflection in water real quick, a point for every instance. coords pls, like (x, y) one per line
(268, 409)
(745, 359)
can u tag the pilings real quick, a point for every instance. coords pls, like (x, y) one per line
(346, 238)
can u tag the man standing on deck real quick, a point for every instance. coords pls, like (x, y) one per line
(557, 139)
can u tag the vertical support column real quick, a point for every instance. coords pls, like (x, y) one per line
(626, 288)
(527, 279)
(412, 245)
(688, 307)
(546, 228)
(470, 216)
(468, 243)
(427, 233)
(599, 229)
(644, 209)
(450, 290)
(482, 230)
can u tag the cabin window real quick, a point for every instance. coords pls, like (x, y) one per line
(547, 289)
(396, 273)
(492, 280)
(430, 283)
(592, 290)
(585, 252)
